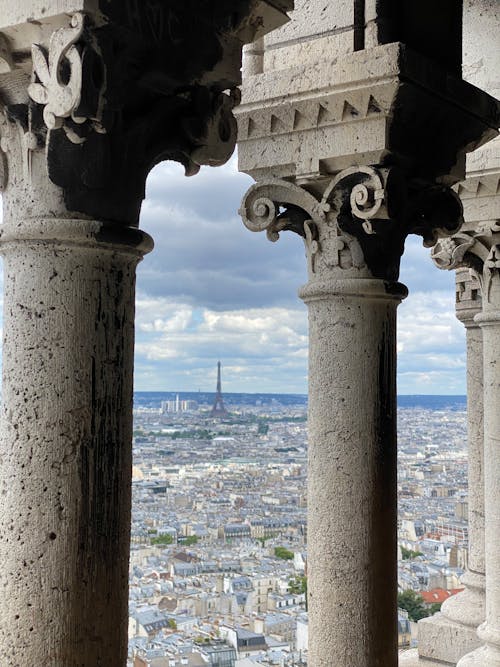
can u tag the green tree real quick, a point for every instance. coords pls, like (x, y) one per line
(162, 539)
(190, 540)
(284, 554)
(408, 554)
(172, 624)
(413, 603)
(297, 585)
(434, 608)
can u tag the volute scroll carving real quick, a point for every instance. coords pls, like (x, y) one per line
(276, 205)
(359, 224)
(449, 253)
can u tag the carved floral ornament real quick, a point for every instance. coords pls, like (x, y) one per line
(478, 250)
(59, 77)
(360, 222)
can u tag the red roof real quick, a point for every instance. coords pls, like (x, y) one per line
(438, 595)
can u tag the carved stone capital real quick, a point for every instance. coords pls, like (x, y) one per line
(358, 225)
(476, 247)
(103, 96)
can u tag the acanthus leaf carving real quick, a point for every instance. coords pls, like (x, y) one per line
(478, 249)
(68, 81)
(450, 252)
(275, 205)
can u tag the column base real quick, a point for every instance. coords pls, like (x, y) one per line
(444, 640)
(468, 608)
(475, 659)
(411, 659)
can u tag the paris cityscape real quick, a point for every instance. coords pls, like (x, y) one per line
(218, 562)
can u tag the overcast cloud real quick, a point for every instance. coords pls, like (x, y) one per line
(213, 290)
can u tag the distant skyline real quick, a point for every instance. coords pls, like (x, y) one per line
(213, 290)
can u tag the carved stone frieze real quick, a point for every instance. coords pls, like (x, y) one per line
(468, 291)
(485, 185)
(360, 222)
(339, 107)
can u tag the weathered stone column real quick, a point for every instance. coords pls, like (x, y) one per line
(89, 101)
(328, 129)
(65, 436)
(468, 607)
(476, 246)
(489, 321)
(352, 501)
(447, 636)
(353, 251)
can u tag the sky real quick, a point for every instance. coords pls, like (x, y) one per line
(212, 290)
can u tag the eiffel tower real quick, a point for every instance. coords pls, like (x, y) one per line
(218, 409)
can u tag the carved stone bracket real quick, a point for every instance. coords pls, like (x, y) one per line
(359, 224)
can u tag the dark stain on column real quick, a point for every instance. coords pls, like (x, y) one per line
(384, 511)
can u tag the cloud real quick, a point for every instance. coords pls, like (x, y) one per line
(263, 345)
(213, 290)
(203, 254)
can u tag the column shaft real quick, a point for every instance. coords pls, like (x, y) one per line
(66, 435)
(352, 501)
(476, 451)
(489, 632)
(447, 636)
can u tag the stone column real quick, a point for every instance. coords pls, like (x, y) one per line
(352, 493)
(489, 321)
(477, 247)
(447, 636)
(66, 430)
(89, 102)
(327, 128)
(468, 608)
(353, 249)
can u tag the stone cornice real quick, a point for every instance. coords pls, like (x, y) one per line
(381, 63)
(308, 123)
